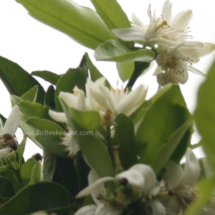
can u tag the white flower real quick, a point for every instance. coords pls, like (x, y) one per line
(7, 142)
(159, 30)
(177, 60)
(112, 102)
(139, 176)
(180, 182)
(100, 207)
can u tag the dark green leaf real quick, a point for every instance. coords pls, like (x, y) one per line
(3, 118)
(48, 134)
(124, 138)
(47, 76)
(21, 150)
(49, 163)
(6, 188)
(160, 121)
(49, 97)
(31, 95)
(73, 77)
(81, 23)
(47, 196)
(17, 80)
(115, 51)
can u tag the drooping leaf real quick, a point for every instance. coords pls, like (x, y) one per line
(205, 114)
(31, 95)
(125, 70)
(13, 77)
(47, 76)
(115, 51)
(48, 134)
(160, 121)
(30, 172)
(81, 23)
(73, 77)
(40, 197)
(49, 97)
(124, 139)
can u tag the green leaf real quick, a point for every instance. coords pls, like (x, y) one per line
(73, 77)
(48, 134)
(115, 51)
(3, 118)
(160, 121)
(125, 70)
(6, 188)
(124, 138)
(30, 172)
(21, 150)
(39, 197)
(49, 162)
(81, 23)
(169, 147)
(47, 76)
(87, 120)
(205, 189)
(205, 114)
(31, 95)
(49, 97)
(94, 72)
(13, 77)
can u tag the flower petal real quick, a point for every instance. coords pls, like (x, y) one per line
(139, 23)
(93, 186)
(12, 122)
(86, 210)
(166, 11)
(173, 175)
(182, 20)
(58, 116)
(157, 208)
(4, 153)
(192, 168)
(106, 210)
(128, 34)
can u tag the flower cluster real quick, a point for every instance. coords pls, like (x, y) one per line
(139, 185)
(169, 37)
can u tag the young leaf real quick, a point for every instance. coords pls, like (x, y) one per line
(73, 77)
(49, 97)
(81, 23)
(47, 76)
(31, 95)
(40, 197)
(125, 70)
(115, 51)
(13, 77)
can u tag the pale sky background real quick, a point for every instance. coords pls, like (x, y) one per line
(36, 46)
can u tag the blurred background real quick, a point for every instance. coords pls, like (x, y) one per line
(36, 46)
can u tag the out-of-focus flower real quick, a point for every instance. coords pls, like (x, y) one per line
(7, 141)
(180, 183)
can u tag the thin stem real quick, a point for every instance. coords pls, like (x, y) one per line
(108, 138)
(138, 69)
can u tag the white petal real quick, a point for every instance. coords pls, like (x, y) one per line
(173, 175)
(181, 20)
(158, 70)
(128, 34)
(12, 122)
(192, 168)
(100, 189)
(139, 23)
(4, 153)
(58, 116)
(93, 186)
(163, 41)
(157, 208)
(86, 210)
(68, 98)
(106, 210)
(167, 11)
(180, 72)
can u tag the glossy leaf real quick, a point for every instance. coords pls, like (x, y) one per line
(81, 23)
(125, 70)
(205, 114)
(115, 51)
(6, 188)
(47, 76)
(30, 172)
(48, 134)
(169, 147)
(49, 163)
(124, 139)
(160, 121)
(49, 97)
(31, 95)
(73, 77)
(13, 77)
(39, 197)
